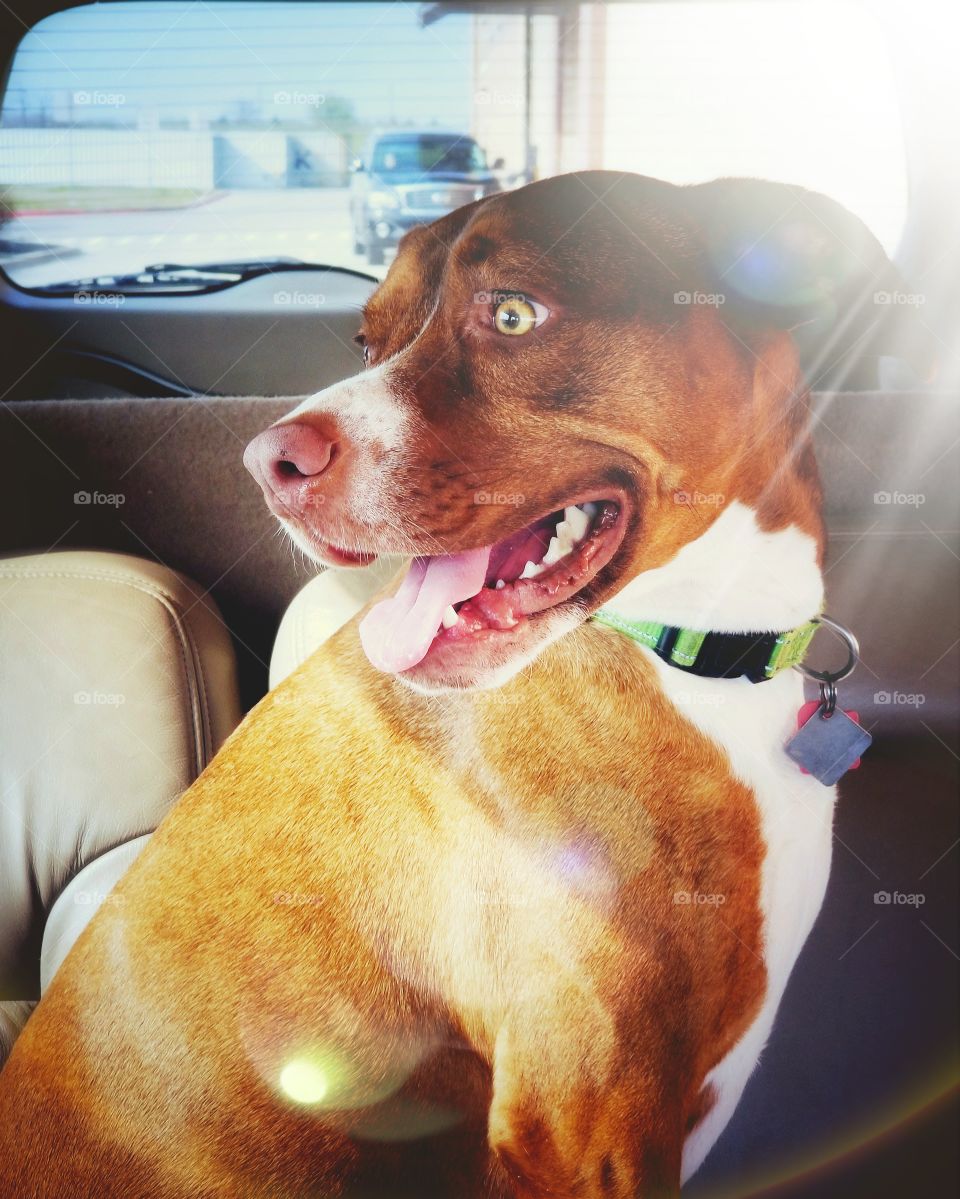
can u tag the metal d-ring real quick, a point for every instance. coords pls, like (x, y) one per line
(828, 679)
(828, 699)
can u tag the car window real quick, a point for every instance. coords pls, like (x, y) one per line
(140, 134)
(427, 153)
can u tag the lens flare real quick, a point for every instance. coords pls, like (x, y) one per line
(304, 1081)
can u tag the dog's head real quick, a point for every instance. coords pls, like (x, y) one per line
(553, 375)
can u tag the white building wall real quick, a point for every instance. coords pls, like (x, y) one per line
(106, 158)
(500, 89)
(77, 157)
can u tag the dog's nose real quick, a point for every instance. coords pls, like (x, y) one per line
(282, 458)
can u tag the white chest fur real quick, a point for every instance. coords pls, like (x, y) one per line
(734, 578)
(752, 722)
(739, 578)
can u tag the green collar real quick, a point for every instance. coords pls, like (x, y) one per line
(756, 656)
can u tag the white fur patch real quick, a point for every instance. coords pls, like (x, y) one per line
(735, 578)
(751, 722)
(367, 404)
(366, 407)
(381, 426)
(378, 427)
(738, 578)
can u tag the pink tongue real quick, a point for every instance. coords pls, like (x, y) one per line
(397, 632)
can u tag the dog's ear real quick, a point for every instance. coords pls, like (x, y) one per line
(782, 257)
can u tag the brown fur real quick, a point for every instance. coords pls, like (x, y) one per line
(431, 940)
(463, 903)
(624, 386)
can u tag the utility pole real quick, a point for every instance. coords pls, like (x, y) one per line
(530, 164)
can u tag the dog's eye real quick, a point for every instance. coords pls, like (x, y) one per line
(361, 341)
(517, 315)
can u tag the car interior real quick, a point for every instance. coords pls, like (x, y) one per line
(155, 318)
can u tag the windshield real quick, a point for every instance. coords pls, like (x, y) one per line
(428, 153)
(139, 133)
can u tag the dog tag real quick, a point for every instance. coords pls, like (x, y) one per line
(814, 705)
(828, 746)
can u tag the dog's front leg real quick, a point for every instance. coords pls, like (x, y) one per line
(588, 1120)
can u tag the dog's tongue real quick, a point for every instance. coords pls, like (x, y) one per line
(397, 632)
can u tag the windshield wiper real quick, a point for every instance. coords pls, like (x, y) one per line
(179, 277)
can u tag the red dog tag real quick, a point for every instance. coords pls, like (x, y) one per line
(813, 705)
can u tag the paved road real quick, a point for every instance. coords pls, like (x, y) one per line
(312, 224)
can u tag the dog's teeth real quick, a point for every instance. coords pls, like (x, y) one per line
(499, 584)
(577, 521)
(555, 551)
(591, 509)
(531, 570)
(564, 534)
(449, 617)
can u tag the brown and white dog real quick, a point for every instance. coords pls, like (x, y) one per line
(486, 899)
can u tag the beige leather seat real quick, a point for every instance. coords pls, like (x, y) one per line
(117, 686)
(324, 605)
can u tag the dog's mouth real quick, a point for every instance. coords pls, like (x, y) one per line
(455, 600)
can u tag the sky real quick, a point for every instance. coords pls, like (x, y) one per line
(802, 91)
(202, 59)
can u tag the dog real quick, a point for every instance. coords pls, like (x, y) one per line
(498, 893)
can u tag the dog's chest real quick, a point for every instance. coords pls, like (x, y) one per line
(581, 766)
(751, 722)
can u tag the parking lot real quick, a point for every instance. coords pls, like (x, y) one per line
(312, 224)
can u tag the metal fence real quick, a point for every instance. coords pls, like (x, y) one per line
(81, 157)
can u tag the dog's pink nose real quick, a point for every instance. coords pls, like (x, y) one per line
(282, 458)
